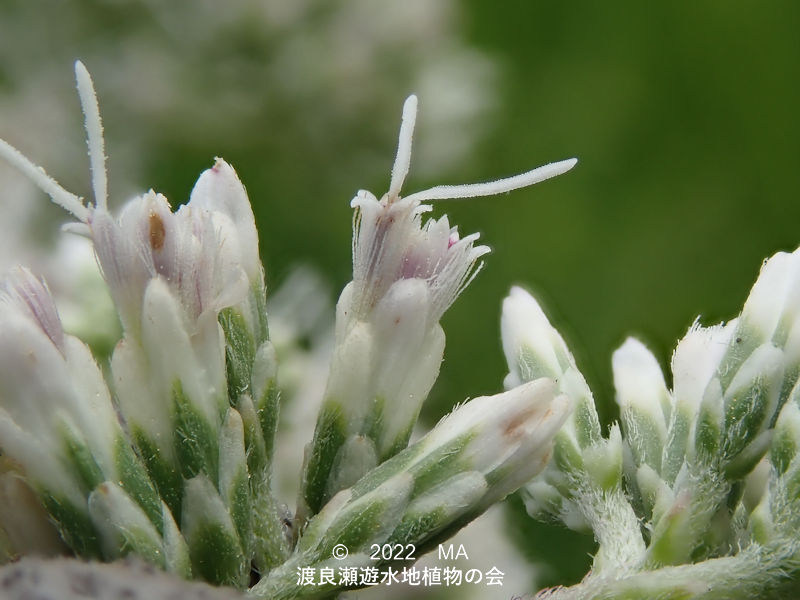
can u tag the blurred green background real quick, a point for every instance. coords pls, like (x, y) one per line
(684, 117)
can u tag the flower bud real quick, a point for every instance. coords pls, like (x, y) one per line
(219, 191)
(233, 476)
(56, 417)
(645, 403)
(771, 307)
(786, 441)
(534, 348)
(751, 399)
(695, 363)
(696, 360)
(123, 526)
(476, 456)
(214, 544)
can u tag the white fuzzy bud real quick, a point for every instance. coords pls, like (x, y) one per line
(644, 401)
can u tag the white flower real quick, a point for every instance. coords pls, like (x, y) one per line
(390, 242)
(52, 392)
(204, 252)
(183, 249)
(169, 274)
(220, 192)
(389, 344)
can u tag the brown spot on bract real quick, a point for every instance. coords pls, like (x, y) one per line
(157, 231)
(515, 423)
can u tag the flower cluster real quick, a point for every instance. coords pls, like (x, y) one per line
(696, 494)
(169, 455)
(193, 380)
(405, 276)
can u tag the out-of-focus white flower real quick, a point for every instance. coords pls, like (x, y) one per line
(301, 328)
(51, 389)
(189, 290)
(57, 421)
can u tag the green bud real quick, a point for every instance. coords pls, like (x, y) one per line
(655, 493)
(233, 478)
(709, 425)
(194, 436)
(265, 393)
(240, 349)
(752, 398)
(603, 461)
(645, 403)
(786, 440)
(675, 446)
(211, 536)
(674, 537)
(353, 459)
(440, 507)
(123, 526)
(761, 524)
(176, 551)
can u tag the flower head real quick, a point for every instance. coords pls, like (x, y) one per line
(206, 251)
(391, 243)
(389, 344)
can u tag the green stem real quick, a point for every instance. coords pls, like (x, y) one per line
(616, 528)
(756, 572)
